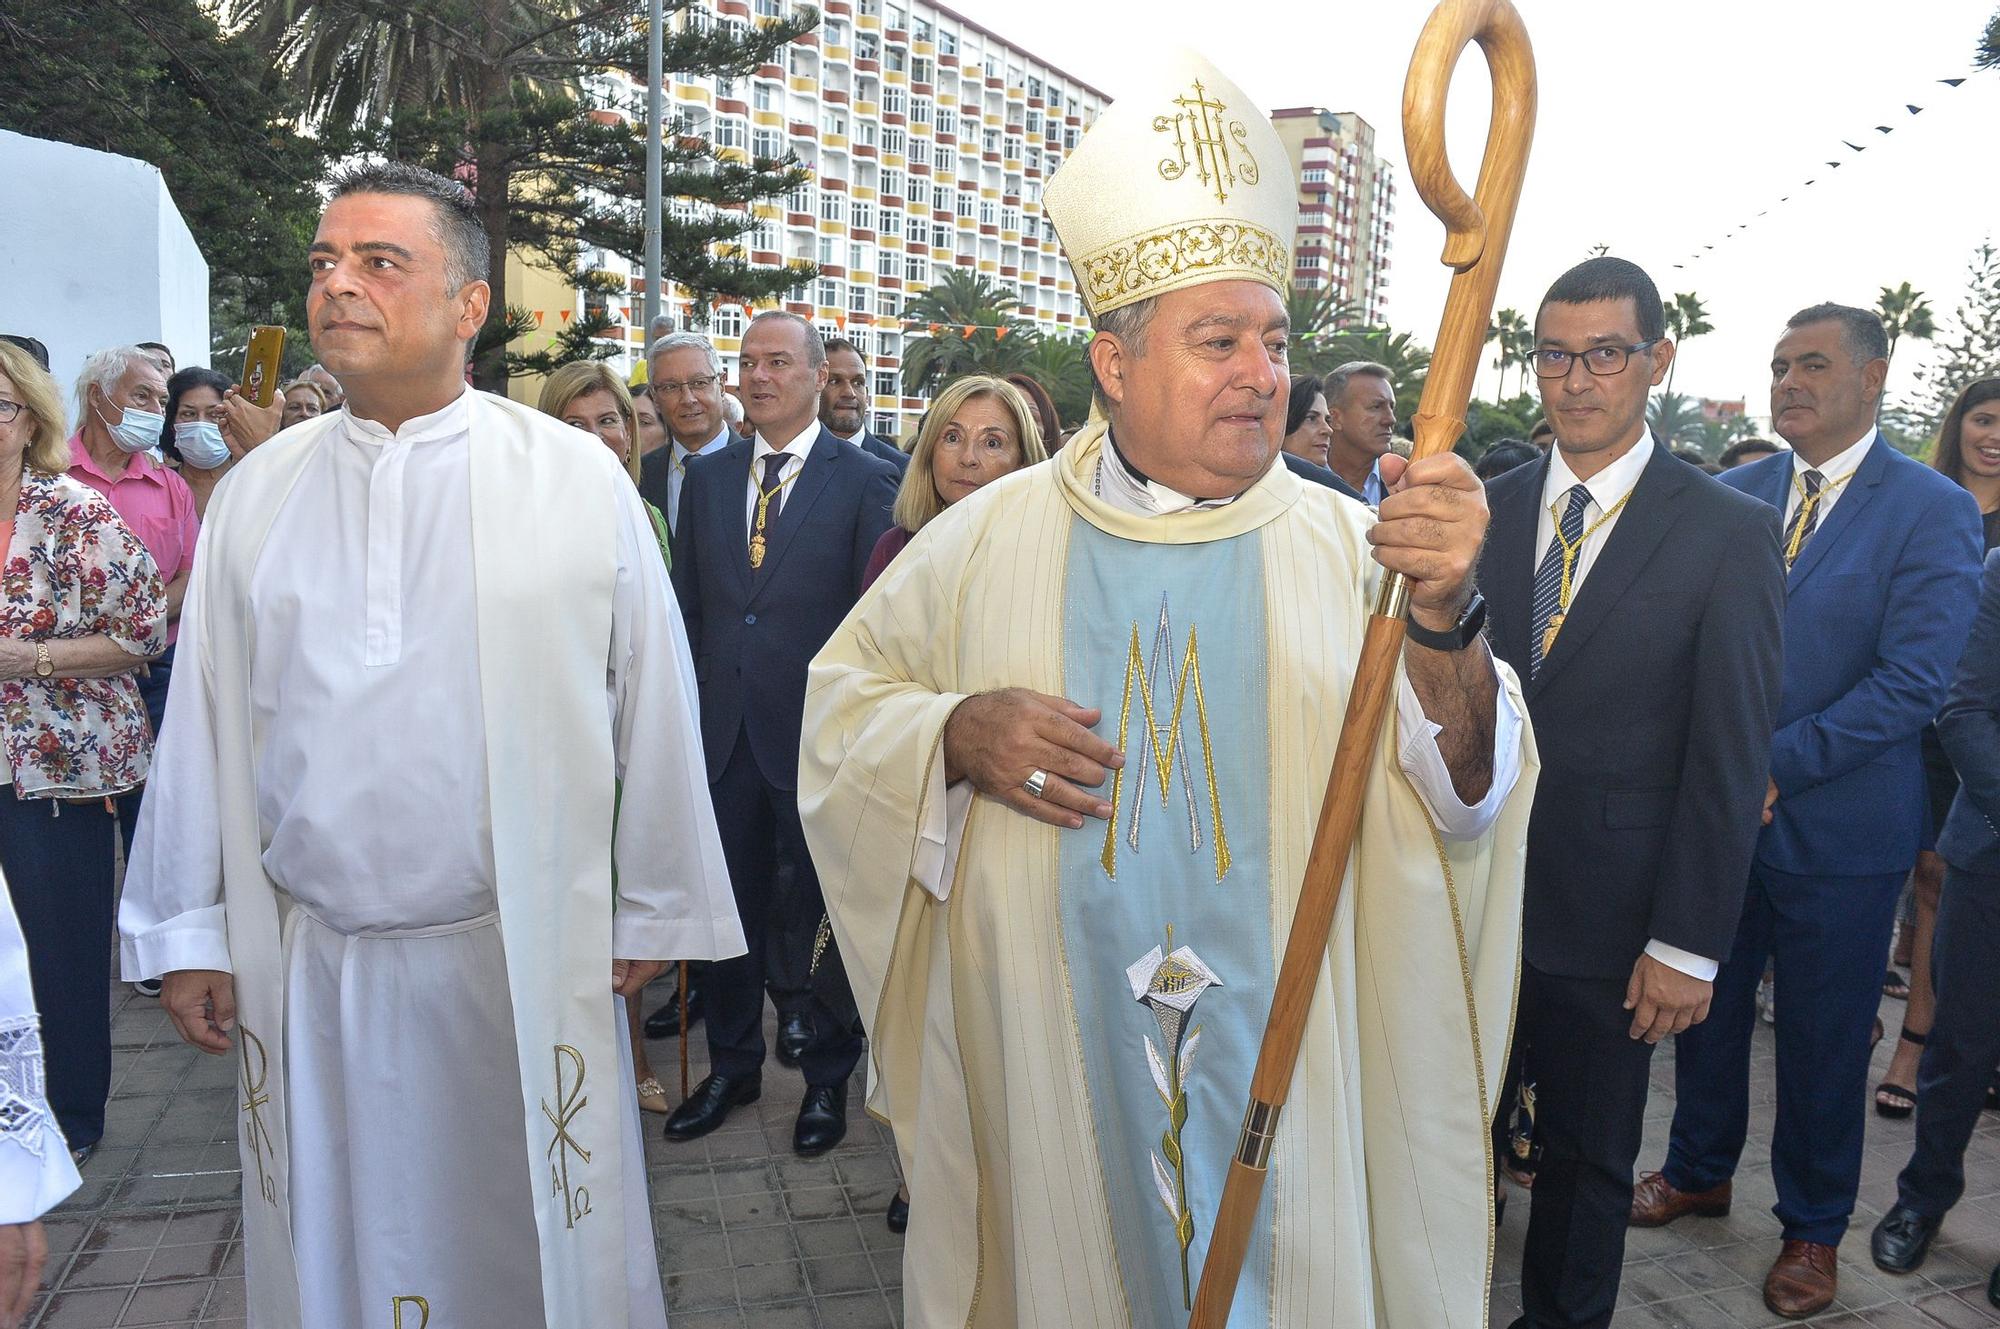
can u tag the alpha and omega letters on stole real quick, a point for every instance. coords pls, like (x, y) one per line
(570, 1100)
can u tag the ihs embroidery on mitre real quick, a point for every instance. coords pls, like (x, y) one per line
(1221, 152)
(1169, 982)
(1163, 747)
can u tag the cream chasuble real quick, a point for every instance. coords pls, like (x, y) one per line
(1063, 1042)
(383, 799)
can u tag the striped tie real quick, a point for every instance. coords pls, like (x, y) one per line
(1806, 519)
(1549, 576)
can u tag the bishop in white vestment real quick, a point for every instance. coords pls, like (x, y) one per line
(421, 660)
(1063, 1018)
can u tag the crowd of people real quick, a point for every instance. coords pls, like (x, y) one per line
(447, 714)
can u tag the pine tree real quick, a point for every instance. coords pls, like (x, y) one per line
(493, 92)
(160, 82)
(1969, 347)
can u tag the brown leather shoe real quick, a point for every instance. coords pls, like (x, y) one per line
(1803, 1280)
(1655, 1202)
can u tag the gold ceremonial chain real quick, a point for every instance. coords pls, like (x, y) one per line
(764, 497)
(1808, 503)
(1570, 553)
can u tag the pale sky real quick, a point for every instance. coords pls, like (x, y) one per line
(1661, 127)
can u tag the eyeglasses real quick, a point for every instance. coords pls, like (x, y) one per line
(1601, 361)
(10, 411)
(694, 386)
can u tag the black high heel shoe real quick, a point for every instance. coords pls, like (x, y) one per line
(899, 1213)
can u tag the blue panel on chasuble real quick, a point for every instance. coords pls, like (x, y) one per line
(1166, 912)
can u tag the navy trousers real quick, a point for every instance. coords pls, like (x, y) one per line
(757, 820)
(1825, 938)
(58, 861)
(153, 693)
(1964, 1044)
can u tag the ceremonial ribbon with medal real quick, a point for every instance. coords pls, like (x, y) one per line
(1802, 520)
(1476, 230)
(764, 497)
(1570, 554)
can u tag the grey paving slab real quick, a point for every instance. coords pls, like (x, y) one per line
(752, 1237)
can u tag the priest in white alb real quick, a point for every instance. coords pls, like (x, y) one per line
(431, 637)
(1061, 771)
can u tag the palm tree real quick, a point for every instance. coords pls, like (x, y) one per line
(1318, 318)
(963, 324)
(1062, 366)
(1676, 419)
(1905, 313)
(1516, 340)
(1687, 318)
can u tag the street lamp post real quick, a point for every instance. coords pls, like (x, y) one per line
(655, 107)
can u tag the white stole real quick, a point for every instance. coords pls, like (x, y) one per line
(544, 563)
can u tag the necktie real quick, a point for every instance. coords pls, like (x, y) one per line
(770, 501)
(1552, 578)
(1806, 519)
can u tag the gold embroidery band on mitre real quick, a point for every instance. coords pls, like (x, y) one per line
(396, 1305)
(1186, 255)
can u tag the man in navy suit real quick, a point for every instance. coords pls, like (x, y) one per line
(1883, 560)
(843, 404)
(1964, 1043)
(1642, 604)
(773, 536)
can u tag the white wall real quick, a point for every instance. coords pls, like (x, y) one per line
(93, 253)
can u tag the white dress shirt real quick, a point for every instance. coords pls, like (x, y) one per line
(1608, 488)
(678, 472)
(796, 451)
(1839, 468)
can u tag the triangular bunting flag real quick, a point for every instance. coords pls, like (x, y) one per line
(1884, 129)
(1834, 165)
(565, 315)
(1856, 146)
(1913, 110)
(1951, 82)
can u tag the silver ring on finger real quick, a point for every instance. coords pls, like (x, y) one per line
(1037, 781)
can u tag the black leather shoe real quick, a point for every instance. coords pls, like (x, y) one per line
(708, 1106)
(822, 1121)
(1993, 1286)
(795, 1034)
(666, 1021)
(1901, 1240)
(899, 1214)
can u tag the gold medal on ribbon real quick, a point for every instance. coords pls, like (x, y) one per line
(1549, 633)
(757, 550)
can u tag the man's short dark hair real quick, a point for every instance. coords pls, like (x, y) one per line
(32, 345)
(1504, 456)
(1861, 329)
(459, 230)
(1607, 278)
(842, 344)
(1746, 447)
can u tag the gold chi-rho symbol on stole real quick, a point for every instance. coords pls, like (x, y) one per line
(255, 1100)
(1216, 147)
(570, 1100)
(398, 1305)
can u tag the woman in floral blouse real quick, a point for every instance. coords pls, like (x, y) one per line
(81, 610)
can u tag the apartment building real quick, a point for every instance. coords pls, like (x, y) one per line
(1347, 206)
(929, 138)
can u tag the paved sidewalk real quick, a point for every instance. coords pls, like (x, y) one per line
(751, 1236)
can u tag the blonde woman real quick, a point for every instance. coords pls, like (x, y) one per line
(82, 607)
(587, 395)
(977, 430)
(590, 396)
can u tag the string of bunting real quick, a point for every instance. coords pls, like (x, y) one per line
(1832, 164)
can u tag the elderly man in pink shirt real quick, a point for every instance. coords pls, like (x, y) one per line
(121, 401)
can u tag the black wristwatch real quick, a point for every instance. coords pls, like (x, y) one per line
(1457, 638)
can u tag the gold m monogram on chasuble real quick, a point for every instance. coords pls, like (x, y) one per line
(570, 1100)
(255, 1100)
(1164, 746)
(1215, 146)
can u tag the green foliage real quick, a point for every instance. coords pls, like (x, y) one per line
(1677, 420)
(1970, 348)
(491, 91)
(1062, 366)
(1905, 313)
(1516, 340)
(1486, 423)
(962, 325)
(1687, 318)
(160, 82)
(1987, 56)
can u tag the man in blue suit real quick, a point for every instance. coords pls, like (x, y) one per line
(1883, 562)
(773, 536)
(843, 404)
(1964, 1043)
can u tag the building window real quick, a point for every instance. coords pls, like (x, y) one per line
(893, 141)
(892, 223)
(728, 321)
(833, 122)
(885, 264)
(828, 293)
(885, 383)
(920, 70)
(730, 132)
(916, 271)
(768, 143)
(947, 121)
(892, 186)
(826, 258)
(863, 216)
(920, 152)
(857, 300)
(768, 9)
(941, 199)
(1012, 150)
(940, 236)
(888, 304)
(832, 206)
(761, 96)
(895, 101)
(989, 212)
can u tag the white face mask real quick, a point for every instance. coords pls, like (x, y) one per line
(136, 430)
(200, 444)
